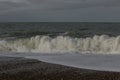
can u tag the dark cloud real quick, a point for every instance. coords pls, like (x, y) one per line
(47, 8)
(54, 4)
(9, 5)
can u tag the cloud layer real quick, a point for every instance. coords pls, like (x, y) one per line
(59, 9)
(7, 5)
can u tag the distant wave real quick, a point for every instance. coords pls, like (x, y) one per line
(44, 44)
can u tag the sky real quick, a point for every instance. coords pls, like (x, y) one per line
(59, 10)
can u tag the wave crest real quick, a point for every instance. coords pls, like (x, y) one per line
(61, 44)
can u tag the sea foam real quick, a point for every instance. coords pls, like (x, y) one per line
(44, 44)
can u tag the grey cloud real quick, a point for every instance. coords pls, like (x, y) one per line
(71, 4)
(43, 9)
(15, 1)
(8, 5)
(54, 4)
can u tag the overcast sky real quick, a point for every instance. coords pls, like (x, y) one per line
(60, 10)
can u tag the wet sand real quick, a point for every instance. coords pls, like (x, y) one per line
(31, 69)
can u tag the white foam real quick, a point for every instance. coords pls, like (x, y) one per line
(43, 44)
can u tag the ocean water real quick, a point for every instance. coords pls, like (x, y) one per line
(98, 38)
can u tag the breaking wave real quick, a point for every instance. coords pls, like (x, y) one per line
(61, 44)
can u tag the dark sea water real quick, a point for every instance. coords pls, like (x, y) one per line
(56, 37)
(57, 29)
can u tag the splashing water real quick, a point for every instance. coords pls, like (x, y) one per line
(45, 44)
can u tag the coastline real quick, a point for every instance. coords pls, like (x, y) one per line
(32, 69)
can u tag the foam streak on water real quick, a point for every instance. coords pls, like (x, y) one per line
(43, 44)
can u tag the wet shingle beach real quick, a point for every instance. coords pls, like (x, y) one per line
(31, 69)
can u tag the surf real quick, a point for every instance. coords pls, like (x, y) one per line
(102, 44)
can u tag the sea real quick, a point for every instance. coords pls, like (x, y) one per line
(60, 37)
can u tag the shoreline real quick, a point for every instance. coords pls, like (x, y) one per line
(32, 69)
